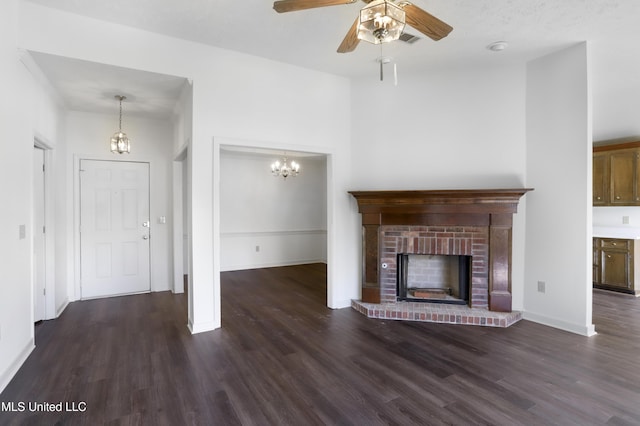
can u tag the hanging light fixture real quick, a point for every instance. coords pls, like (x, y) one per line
(119, 141)
(381, 21)
(285, 170)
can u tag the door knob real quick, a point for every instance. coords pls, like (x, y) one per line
(145, 237)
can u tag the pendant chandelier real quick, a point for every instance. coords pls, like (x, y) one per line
(285, 170)
(119, 141)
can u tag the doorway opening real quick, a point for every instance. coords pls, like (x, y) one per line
(271, 221)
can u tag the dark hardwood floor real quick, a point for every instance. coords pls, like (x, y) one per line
(283, 358)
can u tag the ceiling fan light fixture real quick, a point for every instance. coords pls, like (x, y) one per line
(381, 21)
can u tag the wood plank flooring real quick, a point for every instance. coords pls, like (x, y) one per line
(283, 358)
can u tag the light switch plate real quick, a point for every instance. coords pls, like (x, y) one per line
(22, 232)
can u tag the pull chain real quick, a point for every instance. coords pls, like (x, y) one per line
(381, 64)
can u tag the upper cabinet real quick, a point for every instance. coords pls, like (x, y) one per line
(600, 178)
(616, 175)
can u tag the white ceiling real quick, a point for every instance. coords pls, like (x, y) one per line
(310, 38)
(91, 87)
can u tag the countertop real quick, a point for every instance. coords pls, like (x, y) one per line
(627, 232)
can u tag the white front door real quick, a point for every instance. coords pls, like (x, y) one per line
(114, 228)
(39, 252)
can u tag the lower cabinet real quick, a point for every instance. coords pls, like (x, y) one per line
(614, 264)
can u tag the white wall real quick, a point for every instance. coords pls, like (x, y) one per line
(235, 96)
(612, 216)
(460, 129)
(616, 103)
(182, 127)
(48, 129)
(453, 129)
(16, 327)
(267, 221)
(559, 145)
(88, 135)
(616, 87)
(26, 111)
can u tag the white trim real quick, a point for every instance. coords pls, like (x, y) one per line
(178, 226)
(75, 295)
(273, 233)
(181, 153)
(201, 327)
(583, 330)
(41, 142)
(62, 307)
(341, 304)
(40, 77)
(243, 267)
(16, 364)
(218, 143)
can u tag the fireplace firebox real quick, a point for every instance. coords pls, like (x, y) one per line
(433, 278)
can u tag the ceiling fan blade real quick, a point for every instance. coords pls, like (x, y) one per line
(426, 23)
(282, 6)
(351, 40)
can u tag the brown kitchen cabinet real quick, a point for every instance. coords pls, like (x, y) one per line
(616, 174)
(614, 264)
(600, 178)
(624, 177)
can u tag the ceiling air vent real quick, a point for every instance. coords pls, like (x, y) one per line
(408, 38)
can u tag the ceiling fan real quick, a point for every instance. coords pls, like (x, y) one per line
(380, 21)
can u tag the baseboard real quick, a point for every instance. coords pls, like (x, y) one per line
(562, 325)
(202, 327)
(341, 304)
(15, 366)
(244, 267)
(62, 307)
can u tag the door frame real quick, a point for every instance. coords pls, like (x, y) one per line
(39, 236)
(218, 144)
(49, 221)
(180, 228)
(74, 289)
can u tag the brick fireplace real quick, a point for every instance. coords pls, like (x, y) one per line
(475, 223)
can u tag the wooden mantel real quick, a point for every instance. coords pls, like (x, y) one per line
(491, 208)
(453, 200)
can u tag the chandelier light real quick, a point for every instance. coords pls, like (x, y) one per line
(119, 141)
(285, 170)
(381, 21)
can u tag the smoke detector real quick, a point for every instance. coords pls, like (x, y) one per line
(498, 46)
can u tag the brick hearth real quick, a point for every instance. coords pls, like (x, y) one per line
(436, 312)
